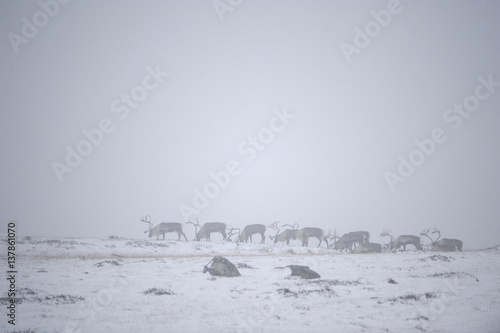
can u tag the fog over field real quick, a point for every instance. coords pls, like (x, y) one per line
(333, 114)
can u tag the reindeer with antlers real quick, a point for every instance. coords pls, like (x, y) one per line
(284, 236)
(443, 245)
(402, 240)
(163, 228)
(207, 229)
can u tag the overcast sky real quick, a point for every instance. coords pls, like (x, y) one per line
(110, 110)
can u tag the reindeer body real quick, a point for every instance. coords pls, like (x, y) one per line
(166, 227)
(348, 240)
(252, 229)
(447, 245)
(284, 236)
(305, 233)
(365, 234)
(368, 248)
(404, 240)
(209, 228)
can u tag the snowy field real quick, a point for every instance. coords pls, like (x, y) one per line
(130, 285)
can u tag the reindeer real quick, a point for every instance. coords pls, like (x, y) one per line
(163, 228)
(250, 230)
(402, 240)
(305, 233)
(443, 245)
(365, 234)
(448, 245)
(285, 236)
(208, 228)
(368, 248)
(348, 240)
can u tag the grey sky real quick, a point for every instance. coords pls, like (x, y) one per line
(227, 78)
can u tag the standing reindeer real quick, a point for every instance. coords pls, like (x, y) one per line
(443, 245)
(208, 228)
(163, 228)
(250, 230)
(305, 233)
(285, 236)
(402, 240)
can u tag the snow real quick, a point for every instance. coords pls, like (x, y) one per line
(130, 285)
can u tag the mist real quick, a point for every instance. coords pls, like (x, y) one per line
(338, 115)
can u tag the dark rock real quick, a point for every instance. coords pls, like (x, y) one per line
(221, 267)
(304, 272)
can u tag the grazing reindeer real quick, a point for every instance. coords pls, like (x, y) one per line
(163, 228)
(285, 236)
(347, 241)
(305, 233)
(250, 230)
(208, 228)
(443, 245)
(402, 240)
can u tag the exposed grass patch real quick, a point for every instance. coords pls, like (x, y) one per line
(109, 262)
(158, 292)
(449, 275)
(243, 265)
(438, 257)
(143, 244)
(408, 298)
(30, 295)
(325, 291)
(335, 282)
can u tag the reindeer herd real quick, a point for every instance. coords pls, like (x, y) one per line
(354, 241)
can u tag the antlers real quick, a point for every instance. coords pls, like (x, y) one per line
(329, 237)
(295, 226)
(231, 232)
(387, 233)
(197, 224)
(274, 226)
(434, 230)
(147, 219)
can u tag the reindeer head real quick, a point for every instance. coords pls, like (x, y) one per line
(147, 219)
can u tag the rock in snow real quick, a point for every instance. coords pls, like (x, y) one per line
(221, 267)
(304, 272)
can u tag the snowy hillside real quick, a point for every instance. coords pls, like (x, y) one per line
(130, 285)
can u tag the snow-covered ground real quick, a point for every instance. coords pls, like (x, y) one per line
(130, 285)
